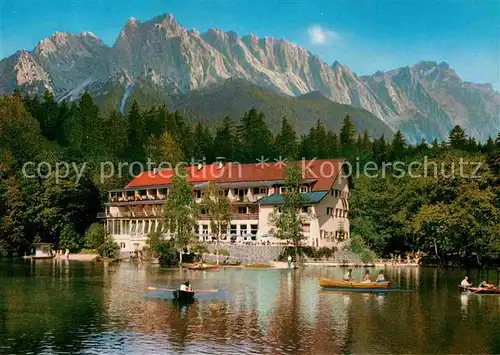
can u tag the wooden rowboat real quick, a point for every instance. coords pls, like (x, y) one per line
(183, 296)
(205, 267)
(44, 257)
(327, 283)
(480, 290)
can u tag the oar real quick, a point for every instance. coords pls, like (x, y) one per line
(171, 290)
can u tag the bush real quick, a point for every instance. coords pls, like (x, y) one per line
(167, 253)
(95, 236)
(70, 239)
(109, 249)
(224, 252)
(357, 244)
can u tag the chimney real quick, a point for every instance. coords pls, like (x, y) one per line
(220, 162)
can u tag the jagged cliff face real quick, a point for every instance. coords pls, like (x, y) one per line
(426, 99)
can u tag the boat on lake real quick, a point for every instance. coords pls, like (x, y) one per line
(42, 257)
(327, 283)
(205, 267)
(480, 290)
(183, 296)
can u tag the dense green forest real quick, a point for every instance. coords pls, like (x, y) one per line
(450, 216)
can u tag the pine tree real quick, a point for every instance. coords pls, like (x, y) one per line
(398, 147)
(255, 136)
(286, 141)
(135, 129)
(366, 144)
(333, 145)
(489, 146)
(203, 143)
(320, 140)
(347, 137)
(226, 140)
(457, 138)
(380, 150)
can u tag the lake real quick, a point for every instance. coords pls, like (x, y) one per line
(49, 307)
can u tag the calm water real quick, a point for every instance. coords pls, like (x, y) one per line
(90, 308)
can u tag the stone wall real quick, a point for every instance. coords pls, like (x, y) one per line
(245, 254)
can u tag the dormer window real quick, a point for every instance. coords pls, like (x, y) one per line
(304, 189)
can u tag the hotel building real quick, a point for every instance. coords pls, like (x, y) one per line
(255, 192)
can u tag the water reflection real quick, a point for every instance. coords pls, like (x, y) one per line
(91, 308)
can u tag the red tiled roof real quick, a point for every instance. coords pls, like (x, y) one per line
(324, 171)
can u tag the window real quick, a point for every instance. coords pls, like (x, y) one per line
(305, 209)
(140, 227)
(204, 229)
(110, 227)
(254, 228)
(282, 190)
(242, 210)
(122, 245)
(243, 229)
(126, 227)
(233, 229)
(146, 227)
(304, 189)
(117, 227)
(255, 191)
(306, 227)
(159, 226)
(263, 191)
(198, 193)
(334, 193)
(203, 211)
(329, 211)
(133, 228)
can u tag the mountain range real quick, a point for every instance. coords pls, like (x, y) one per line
(216, 73)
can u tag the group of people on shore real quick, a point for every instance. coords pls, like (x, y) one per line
(483, 284)
(410, 259)
(60, 254)
(367, 278)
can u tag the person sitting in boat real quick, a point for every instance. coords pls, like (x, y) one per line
(186, 286)
(348, 275)
(380, 276)
(485, 284)
(367, 278)
(465, 282)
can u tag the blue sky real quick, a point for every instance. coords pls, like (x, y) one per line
(365, 35)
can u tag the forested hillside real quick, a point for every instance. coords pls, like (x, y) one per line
(447, 217)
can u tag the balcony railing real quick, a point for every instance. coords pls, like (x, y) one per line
(234, 216)
(138, 198)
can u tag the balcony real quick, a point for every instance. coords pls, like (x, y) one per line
(245, 216)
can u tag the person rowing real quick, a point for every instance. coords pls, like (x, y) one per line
(348, 275)
(465, 282)
(186, 287)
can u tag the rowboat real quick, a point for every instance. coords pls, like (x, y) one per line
(327, 283)
(205, 267)
(44, 257)
(183, 296)
(480, 290)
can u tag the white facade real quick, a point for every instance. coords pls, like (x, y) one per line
(132, 214)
